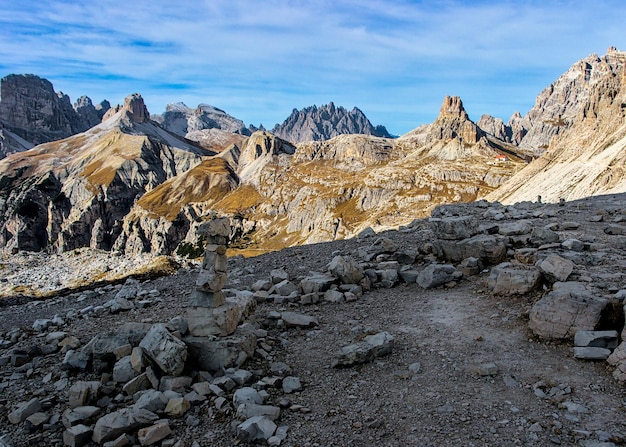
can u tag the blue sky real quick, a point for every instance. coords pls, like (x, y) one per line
(258, 60)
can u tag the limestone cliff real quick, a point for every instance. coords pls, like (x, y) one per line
(31, 110)
(75, 192)
(209, 126)
(587, 156)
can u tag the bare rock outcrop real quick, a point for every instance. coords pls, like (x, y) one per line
(32, 110)
(325, 122)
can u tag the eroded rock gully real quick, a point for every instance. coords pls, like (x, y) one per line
(444, 304)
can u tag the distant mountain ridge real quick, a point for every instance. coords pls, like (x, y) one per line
(325, 122)
(130, 184)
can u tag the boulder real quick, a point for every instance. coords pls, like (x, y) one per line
(291, 384)
(278, 275)
(82, 393)
(541, 236)
(123, 370)
(177, 407)
(168, 352)
(151, 400)
(119, 422)
(346, 269)
(437, 274)
(488, 248)
(214, 355)
(513, 279)
(77, 436)
(556, 268)
(454, 228)
(247, 395)
(316, 283)
(517, 228)
(372, 346)
(154, 433)
(24, 410)
(568, 308)
(79, 415)
(257, 428)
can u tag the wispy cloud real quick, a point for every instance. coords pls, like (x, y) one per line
(257, 60)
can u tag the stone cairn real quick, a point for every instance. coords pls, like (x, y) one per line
(209, 314)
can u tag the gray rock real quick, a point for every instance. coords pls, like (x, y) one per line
(215, 355)
(556, 268)
(258, 428)
(596, 339)
(284, 288)
(515, 228)
(615, 230)
(278, 275)
(81, 393)
(151, 400)
(408, 274)
(317, 283)
(372, 346)
(119, 305)
(142, 382)
(388, 277)
(382, 245)
(490, 249)
(568, 308)
(346, 269)
(24, 410)
(454, 228)
(541, 236)
(123, 370)
(129, 290)
(247, 395)
(365, 233)
(291, 384)
(77, 436)
(294, 319)
(334, 296)
(119, 422)
(79, 415)
(573, 244)
(437, 274)
(154, 433)
(591, 353)
(75, 360)
(249, 410)
(165, 350)
(511, 279)
(42, 324)
(280, 369)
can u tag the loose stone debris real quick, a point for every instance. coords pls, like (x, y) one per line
(426, 330)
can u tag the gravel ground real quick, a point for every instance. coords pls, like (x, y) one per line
(427, 392)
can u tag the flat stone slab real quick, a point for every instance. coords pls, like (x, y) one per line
(588, 353)
(596, 339)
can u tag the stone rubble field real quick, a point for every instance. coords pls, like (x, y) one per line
(485, 325)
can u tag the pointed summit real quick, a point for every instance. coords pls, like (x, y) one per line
(452, 107)
(136, 109)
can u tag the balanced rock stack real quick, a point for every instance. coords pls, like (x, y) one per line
(209, 314)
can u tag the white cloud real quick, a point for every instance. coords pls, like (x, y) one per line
(393, 59)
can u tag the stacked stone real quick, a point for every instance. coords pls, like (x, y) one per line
(213, 274)
(209, 313)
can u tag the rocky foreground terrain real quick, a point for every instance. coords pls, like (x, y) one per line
(454, 330)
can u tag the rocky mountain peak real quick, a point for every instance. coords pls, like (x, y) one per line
(325, 122)
(136, 109)
(453, 122)
(452, 107)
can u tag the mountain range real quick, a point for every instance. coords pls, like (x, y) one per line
(118, 178)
